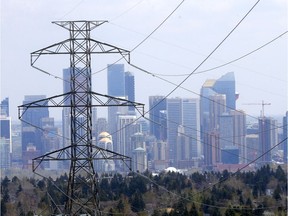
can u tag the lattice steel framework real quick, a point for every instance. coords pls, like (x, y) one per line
(81, 153)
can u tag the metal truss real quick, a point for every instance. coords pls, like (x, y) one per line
(98, 100)
(81, 153)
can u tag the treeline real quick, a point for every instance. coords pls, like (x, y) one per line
(165, 194)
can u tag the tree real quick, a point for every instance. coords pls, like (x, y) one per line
(3, 207)
(15, 179)
(19, 189)
(4, 183)
(137, 183)
(156, 213)
(249, 202)
(193, 211)
(180, 208)
(280, 174)
(241, 201)
(277, 192)
(41, 184)
(255, 191)
(137, 202)
(120, 206)
(259, 210)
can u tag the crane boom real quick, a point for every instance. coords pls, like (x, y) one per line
(262, 104)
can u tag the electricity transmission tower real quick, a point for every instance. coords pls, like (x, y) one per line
(82, 152)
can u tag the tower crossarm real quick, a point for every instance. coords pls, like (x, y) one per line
(63, 47)
(99, 100)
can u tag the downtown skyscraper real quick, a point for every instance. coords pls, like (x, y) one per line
(119, 84)
(5, 135)
(285, 135)
(121, 119)
(158, 123)
(218, 118)
(183, 131)
(32, 145)
(268, 137)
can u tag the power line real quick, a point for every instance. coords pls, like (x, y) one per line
(188, 90)
(146, 38)
(126, 11)
(220, 181)
(139, 44)
(210, 54)
(220, 138)
(239, 170)
(227, 63)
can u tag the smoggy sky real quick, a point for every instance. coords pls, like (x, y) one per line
(171, 53)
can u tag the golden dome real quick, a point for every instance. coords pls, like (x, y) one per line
(104, 135)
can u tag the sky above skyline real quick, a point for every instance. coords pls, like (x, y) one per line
(173, 51)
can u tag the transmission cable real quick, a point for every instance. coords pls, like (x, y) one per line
(146, 38)
(180, 84)
(210, 54)
(222, 180)
(227, 63)
(126, 11)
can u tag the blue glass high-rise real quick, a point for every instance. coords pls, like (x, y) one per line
(156, 105)
(116, 80)
(31, 134)
(226, 85)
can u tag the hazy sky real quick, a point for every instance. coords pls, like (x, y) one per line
(176, 48)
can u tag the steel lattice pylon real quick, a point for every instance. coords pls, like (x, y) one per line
(81, 153)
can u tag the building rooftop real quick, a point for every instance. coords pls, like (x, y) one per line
(209, 83)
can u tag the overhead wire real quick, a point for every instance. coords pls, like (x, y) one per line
(185, 48)
(246, 165)
(162, 23)
(146, 38)
(180, 84)
(71, 10)
(219, 138)
(194, 72)
(149, 111)
(127, 10)
(230, 62)
(218, 182)
(158, 26)
(205, 59)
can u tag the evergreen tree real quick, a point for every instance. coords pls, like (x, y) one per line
(3, 207)
(277, 192)
(156, 213)
(230, 212)
(193, 210)
(249, 202)
(41, 184)
(137, 202)
(120, 206)
(19, 189)
(280, 174)
(180, 208)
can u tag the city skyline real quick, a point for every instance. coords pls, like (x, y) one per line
(224, 134)
(161, 54)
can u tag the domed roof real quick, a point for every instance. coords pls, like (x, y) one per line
(105, 139)
(171, 169)
(104, 134)
(139, 149)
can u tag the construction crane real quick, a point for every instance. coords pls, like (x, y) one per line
(262, 104)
